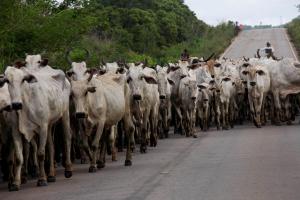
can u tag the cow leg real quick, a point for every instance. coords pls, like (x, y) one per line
(101, 151)
(144, 132)
(95, 146)
(18, 145)
(68, 143)
(112, 140)
(277, 108)
(129, 130)
(217, 116)
(11, 164)
(35, 169)
(50, 146)
(26, 147)
(165, 123)
(41, 155)
(178, 121)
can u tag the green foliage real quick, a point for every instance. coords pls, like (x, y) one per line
(294, 32)
(134, 30)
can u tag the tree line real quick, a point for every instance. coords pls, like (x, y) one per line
(131, 30)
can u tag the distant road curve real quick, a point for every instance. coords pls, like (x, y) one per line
(249, 41)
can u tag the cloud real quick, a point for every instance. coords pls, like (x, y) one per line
(250, 12)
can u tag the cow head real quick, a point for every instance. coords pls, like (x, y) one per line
(192, 90)
(162, 83)
(17, 79)
(255, 76)
(35, 61)
(5, 102)
(81, 90)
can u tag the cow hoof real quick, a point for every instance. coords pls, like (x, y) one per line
(92, 169)
(34, 173)
(51, 179)
(195, 136)
(100, 164)
(143, 149)
(258, 126)
(128, 163)
(277, 123)
(13, 188)
(68, 174)
(41, 183)
(120, 149)
(23, 179)
(289, 123)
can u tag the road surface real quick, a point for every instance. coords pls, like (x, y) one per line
(244, 163)
(249, 41)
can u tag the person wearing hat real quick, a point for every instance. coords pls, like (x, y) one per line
(185, 55)
(268, 50)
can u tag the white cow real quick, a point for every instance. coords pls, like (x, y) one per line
(103, 101)
(144, 92)
(164, 89)
(40, 95)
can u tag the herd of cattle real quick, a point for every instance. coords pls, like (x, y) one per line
(47, 114)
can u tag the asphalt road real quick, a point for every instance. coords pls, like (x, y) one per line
(249, 41)
(244, 163)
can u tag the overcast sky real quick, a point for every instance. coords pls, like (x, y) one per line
(250, 12)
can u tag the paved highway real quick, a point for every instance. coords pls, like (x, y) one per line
(249, 41)
(244, 163)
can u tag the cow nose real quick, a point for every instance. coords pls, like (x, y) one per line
(16, 106)
(80, 115)
(137, 97)
(213, 76)
(252, 83)
(162, 97)
(193, 98)
(218, 91)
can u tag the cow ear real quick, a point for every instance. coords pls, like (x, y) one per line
(260, 72)
(91, 89)
(120, 70)
(182, 76)
(201, 87)
(245, 73)
(29, 79)
(69, 73)
(217, 65)
(150, 80)
(44, 62)
(193, 66)
(3, 80)
(226, 79)
(246, 64)
(171, 82)
(20, 64)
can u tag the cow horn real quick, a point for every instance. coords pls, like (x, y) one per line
(246, 59)
(103, 62)
(68, 56)
(87, 54)
(91, 71)
(210, 57)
